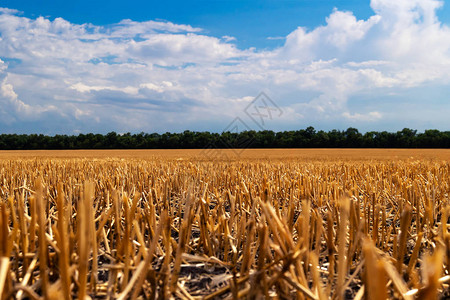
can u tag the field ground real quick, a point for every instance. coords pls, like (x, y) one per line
(225, 224)
(201, 154)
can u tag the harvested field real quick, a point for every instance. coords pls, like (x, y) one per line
(281, 223)
(238, 154)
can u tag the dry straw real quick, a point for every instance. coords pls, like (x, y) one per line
(192, 229)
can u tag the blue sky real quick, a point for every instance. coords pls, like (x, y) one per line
(156, 66)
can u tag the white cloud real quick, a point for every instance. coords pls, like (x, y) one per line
(157, 75)
(129, 28)
(343, 28)
(163, 86)
(82, 88)
(9, 11)
(228, 38)
(11, 107)
(329, 41)
(369, 117)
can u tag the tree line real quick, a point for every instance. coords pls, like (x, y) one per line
(304, 138)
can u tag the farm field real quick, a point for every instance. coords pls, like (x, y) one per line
(225, 224)
(214, 154)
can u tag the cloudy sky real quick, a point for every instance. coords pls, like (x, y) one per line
(131, 66)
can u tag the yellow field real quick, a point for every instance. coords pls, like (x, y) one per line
(201, 154)
(278, 223)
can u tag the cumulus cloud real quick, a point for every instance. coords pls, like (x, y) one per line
(159, 76)
(11, 107)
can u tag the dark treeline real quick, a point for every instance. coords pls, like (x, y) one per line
(305, 138)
